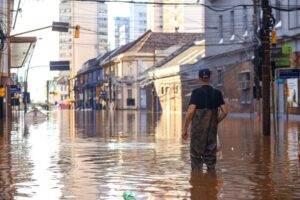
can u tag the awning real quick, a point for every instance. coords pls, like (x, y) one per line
(21, 49)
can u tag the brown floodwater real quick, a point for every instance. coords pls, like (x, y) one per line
(99, 155)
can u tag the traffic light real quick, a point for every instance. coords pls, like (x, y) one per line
(274, 38)
(77, 31)
(2, 91)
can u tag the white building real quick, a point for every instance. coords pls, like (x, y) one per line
(93, 39)
(138, 20)
(176, 18)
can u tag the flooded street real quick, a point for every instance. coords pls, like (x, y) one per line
(99, 155)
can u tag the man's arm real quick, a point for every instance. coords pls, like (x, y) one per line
(187, 120)
(223, 113)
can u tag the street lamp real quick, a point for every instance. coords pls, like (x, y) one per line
(26, 94)
(56, 26)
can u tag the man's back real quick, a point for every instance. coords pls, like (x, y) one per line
(206, 97)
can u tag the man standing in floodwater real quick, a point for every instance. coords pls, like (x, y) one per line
(206, 109)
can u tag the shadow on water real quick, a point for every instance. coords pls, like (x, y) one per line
(99, 155)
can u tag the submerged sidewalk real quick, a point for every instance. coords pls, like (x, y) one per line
(291, 117)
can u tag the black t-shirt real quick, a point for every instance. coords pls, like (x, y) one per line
(206, 97)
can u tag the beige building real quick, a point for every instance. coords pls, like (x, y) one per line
(93, 39)
(176, 18)
(123, 67)
(170, 79)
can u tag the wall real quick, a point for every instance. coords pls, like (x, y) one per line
(213, 28)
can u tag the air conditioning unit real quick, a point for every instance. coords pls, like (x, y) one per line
(244, 85)
(127, 80)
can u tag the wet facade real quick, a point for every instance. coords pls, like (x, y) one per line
(100, 154)
(120, 86)
(89, 86)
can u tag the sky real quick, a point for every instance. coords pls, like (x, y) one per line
(40, 13)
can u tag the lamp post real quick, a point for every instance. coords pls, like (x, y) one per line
(26, 95)
(56, 26)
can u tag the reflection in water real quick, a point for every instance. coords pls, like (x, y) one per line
(99, 155)
(205, 185)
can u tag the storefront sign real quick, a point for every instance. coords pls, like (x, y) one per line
(288, 73)
(281, 59)
(292, 99)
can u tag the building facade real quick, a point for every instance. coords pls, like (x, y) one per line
(121, 31)
(168, 78)
(93, 38)
(177, 17)
(121, 87)
(138, 20)
(230, 41)
(287, 28)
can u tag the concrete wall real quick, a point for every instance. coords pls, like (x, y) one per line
(214, 33)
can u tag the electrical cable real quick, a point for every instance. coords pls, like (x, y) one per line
(287, 8)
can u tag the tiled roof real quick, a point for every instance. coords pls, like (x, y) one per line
(161, 41)
(146, 43)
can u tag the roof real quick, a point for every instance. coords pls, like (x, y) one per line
(174, 54)
(150, 41)
(146, 43)
(162, 41)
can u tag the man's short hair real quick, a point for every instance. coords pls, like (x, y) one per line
(204, 73)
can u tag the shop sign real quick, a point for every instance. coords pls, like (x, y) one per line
(279, 57)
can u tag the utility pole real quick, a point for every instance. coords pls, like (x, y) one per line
(257, 61)
(8, 99)
(266, 69)
(26, 84)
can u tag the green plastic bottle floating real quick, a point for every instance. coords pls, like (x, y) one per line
(128, 196)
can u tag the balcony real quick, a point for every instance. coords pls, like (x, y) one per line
(128, 79)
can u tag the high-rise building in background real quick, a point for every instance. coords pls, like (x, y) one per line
(93, 38)
(177, 17)
(138, 20)
(155, 17)
(121, 31)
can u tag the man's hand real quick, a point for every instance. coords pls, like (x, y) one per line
(223, 112)
(187, 120)
(184, 134)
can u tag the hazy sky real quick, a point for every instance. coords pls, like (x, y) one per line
(41, 13)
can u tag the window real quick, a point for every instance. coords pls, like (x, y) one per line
(162, 90)
(65, 18)
(244, 80)
(94, 75)
(246, 98)
(102, 18)
(103, 25)
(102, 33)
(99, 75)
(232, 31)
(294, 16)
(102, 11)
(129, 93)
(245, 19)
(221, 28)
(177, 89)
(278, 14)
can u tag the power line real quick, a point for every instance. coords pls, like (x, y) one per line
(286, 8)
